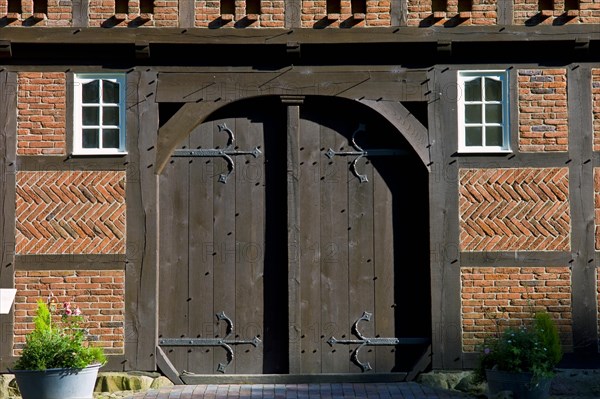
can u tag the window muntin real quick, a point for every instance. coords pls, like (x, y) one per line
(99, 114)
(483, 111)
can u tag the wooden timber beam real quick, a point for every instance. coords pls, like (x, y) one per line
(58, 35)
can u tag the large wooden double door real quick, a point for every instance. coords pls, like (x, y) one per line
(281, 255)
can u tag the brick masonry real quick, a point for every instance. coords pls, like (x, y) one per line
(495, 298)
(59, 13)
(100, 294)
(41, 116)
(314, 14)
(102, 13)
(526, 12)
(208, 14)
(543, 115)
(596, 107)
(514, 209)
(421, 13)
(70, 212)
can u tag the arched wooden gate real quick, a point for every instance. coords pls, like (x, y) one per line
(294, 247)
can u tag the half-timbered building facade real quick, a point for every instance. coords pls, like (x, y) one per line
(278, 189)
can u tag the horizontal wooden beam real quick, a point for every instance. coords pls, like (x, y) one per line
(65, 163)
(192, 379)
(70, 262)
(40, 35)
(354, 82)
(515, 259)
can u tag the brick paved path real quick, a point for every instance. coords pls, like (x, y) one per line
(404, 390)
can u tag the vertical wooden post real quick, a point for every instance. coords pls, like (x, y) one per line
(444, 236)
(8, 151)
(80, 13)
(293, 133)
(186, 14)
(141, 296)
(581, 198)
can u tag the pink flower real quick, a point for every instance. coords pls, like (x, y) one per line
(68, 311)
(67, 305)
(77, 311)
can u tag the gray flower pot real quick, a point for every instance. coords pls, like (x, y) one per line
(57, 383)
(520, 384)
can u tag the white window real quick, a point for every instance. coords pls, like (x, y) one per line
(99, 114)
(483, 111)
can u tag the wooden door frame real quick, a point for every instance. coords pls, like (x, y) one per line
(192, 114)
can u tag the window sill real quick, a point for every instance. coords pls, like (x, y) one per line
(484, 151)
(76, 154)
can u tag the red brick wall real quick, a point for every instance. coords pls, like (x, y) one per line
(596, 107)
(526, 12)
(99, 294)
(314, 14)
(208, 13)
(70, 212)
(514, 209)
(543, 115)
(41, 115)
(494, 298)
(59, 14)
(420, 13)
(102, 13)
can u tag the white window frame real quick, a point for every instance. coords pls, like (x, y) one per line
(502, 76)
(79, 80)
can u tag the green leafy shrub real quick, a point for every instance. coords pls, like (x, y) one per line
(58, 345)
(535, 349)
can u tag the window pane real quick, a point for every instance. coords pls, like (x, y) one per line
(90, 92)
(493, 136)
(473, 90)
(91, 116)
(473, 136)
(110, 116)
(493, 90)
(110, 138)
(473, 114)
(493, 113)
(110, 92)
(90, 138)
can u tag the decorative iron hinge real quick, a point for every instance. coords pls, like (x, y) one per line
(225, 153)
(222, 342)
(360, 152)
(365, 341)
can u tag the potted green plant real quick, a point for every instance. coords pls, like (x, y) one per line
(522, 360)
(57, 361)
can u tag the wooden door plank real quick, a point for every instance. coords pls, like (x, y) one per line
(201, 270)
(294, 286)
(224, 245)
(360, 254)
(173, 272)
(249, 232)
(334, 253)
(383, 259)
(313, 334)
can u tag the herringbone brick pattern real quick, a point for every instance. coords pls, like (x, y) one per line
(78, 212)
(543, 115)
(514, 209)
(493, 298)
(596, 107)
